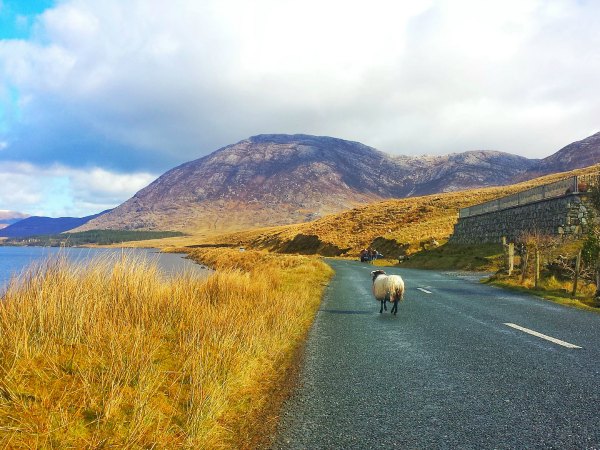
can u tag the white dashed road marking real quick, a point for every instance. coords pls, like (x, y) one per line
(424, 290)
(543, 336)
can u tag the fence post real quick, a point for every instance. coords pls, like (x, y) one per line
(576, 277)
(504, 250)
(509, 255)
(524, 262)
(536, 278)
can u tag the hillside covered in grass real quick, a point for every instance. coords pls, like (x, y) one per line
(394, 227)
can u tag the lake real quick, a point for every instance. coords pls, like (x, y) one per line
(14, 259)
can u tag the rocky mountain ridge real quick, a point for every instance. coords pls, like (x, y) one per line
(282, 179)
(576, 155)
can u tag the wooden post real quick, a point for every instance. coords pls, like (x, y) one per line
(511, 258)
(524, 262)
(597, 293)
(505, 251)
(576, 277)
(536, 278)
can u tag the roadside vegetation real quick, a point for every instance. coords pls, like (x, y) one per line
(561, 270)
(551, 289)
(113, 355)
(98, 237)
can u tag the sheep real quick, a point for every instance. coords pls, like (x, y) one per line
(387, 288)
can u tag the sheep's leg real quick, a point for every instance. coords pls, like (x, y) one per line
(395, 307)
(381, 308)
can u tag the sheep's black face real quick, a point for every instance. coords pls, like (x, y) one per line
(376, 273)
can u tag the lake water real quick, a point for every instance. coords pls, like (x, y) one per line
(13, 260)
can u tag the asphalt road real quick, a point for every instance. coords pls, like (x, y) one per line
(446, 372)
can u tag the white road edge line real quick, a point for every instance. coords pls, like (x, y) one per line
(543, 336)
(424, 290)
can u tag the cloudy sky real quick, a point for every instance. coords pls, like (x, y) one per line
(99, 97)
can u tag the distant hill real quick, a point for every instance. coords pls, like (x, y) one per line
(37, 225)
(9, 217)
(284, 179)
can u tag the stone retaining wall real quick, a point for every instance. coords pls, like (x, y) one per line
(568, 215)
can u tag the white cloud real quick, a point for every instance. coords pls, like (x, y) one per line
(171, 81)
(62, 191)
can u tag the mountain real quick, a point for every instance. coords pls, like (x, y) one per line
(9, 217)
(283, 179)
(37, 225)
(579, 154)
(467, 170)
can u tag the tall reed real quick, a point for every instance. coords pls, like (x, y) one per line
(112, 354)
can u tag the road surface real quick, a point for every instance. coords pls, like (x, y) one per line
(457, 367)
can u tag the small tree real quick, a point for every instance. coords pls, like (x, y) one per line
(539, 245)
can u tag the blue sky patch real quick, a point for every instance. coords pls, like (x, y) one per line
(17, 17)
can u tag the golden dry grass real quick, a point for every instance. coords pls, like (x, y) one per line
(112, 355)
(552, 289)
(406, 221)
(167, 243)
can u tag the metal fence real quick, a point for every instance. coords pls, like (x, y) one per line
(559, 188)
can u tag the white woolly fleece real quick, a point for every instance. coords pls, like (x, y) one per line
(391, 286)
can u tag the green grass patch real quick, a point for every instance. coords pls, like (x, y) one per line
(487, 258)
(100, 237)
